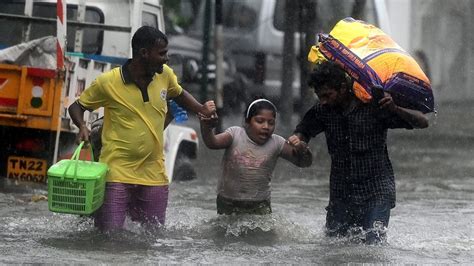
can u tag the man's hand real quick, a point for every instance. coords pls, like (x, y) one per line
(76, 112)
(302, 147)
(299, 145)
(83, 134)
(296, 151)
(377, 93)
(414, 117)
(208, 109)
(383, 99)
(387, 103)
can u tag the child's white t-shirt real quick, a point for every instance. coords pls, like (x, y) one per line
(248, 167)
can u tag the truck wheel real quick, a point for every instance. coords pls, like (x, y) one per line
(183, 169)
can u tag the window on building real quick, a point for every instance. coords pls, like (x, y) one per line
(149, 19)
(10, 29)
(241, 14)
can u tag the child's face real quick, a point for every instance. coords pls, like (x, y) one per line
(261, 126)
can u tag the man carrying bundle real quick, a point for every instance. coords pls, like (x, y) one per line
(362, 183)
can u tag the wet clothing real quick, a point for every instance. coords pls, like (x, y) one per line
(132, 144)
(144, 204)
(133, 124)
(248, 168)
(229, 206)
(361, 171)
(245, 183)
(362, 182)
(371, 225)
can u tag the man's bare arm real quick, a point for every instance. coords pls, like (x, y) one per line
(187, 101)
(76, 112)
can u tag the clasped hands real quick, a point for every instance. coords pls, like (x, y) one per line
(208, 115)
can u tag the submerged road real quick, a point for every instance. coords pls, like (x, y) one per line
(432, 223)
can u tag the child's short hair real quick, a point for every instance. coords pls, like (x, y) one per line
(256, 105)
(329, 75)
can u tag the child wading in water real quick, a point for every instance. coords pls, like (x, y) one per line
(251, 153)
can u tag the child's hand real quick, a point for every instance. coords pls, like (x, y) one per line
(293, 140)
(302, 147)
(299, 145)
(209, 121)
(208, 109)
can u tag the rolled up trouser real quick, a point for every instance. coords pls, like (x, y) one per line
(145, 204)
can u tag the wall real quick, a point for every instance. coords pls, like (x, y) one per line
(399, 12)
(444, 32)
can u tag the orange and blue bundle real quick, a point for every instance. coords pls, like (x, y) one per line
(372, 58)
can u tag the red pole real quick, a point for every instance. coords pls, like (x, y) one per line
(60, 50)
(61, 33)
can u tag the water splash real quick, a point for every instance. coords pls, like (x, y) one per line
(237, 225)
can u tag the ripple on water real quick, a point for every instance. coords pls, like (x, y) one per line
(199, 223)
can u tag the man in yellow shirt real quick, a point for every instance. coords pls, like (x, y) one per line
(134, 98)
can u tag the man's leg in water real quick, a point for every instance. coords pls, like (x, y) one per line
(148, 204)
(338, 219)
(111, 214)
(375, 224)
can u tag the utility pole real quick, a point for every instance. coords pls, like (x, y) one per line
(219, 63)
(308, 25)
(205, 50)
(286, 97)
(61, 47)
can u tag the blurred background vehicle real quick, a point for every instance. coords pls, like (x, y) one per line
(189, 51)
(253, 35)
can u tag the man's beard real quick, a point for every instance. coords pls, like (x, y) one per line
(151, 71)
(159, 69)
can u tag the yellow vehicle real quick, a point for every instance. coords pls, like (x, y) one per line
(29, 109)
(34, 126)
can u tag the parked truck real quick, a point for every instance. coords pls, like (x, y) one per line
(34, 126)
(253, 33)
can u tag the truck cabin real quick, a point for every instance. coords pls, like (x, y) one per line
(95, 27)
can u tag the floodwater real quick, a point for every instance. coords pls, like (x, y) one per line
(432, 223)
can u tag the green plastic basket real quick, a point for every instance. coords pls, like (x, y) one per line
(76, 186)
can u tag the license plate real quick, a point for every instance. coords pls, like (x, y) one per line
(27, 169)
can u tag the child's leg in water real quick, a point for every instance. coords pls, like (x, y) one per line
(229, 206)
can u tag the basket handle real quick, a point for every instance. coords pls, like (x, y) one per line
(75, 156)
(77, 152)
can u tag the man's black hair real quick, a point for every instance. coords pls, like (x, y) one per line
(146, 37)
(329, 75)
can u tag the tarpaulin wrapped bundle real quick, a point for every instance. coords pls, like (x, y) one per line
(372, 58)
